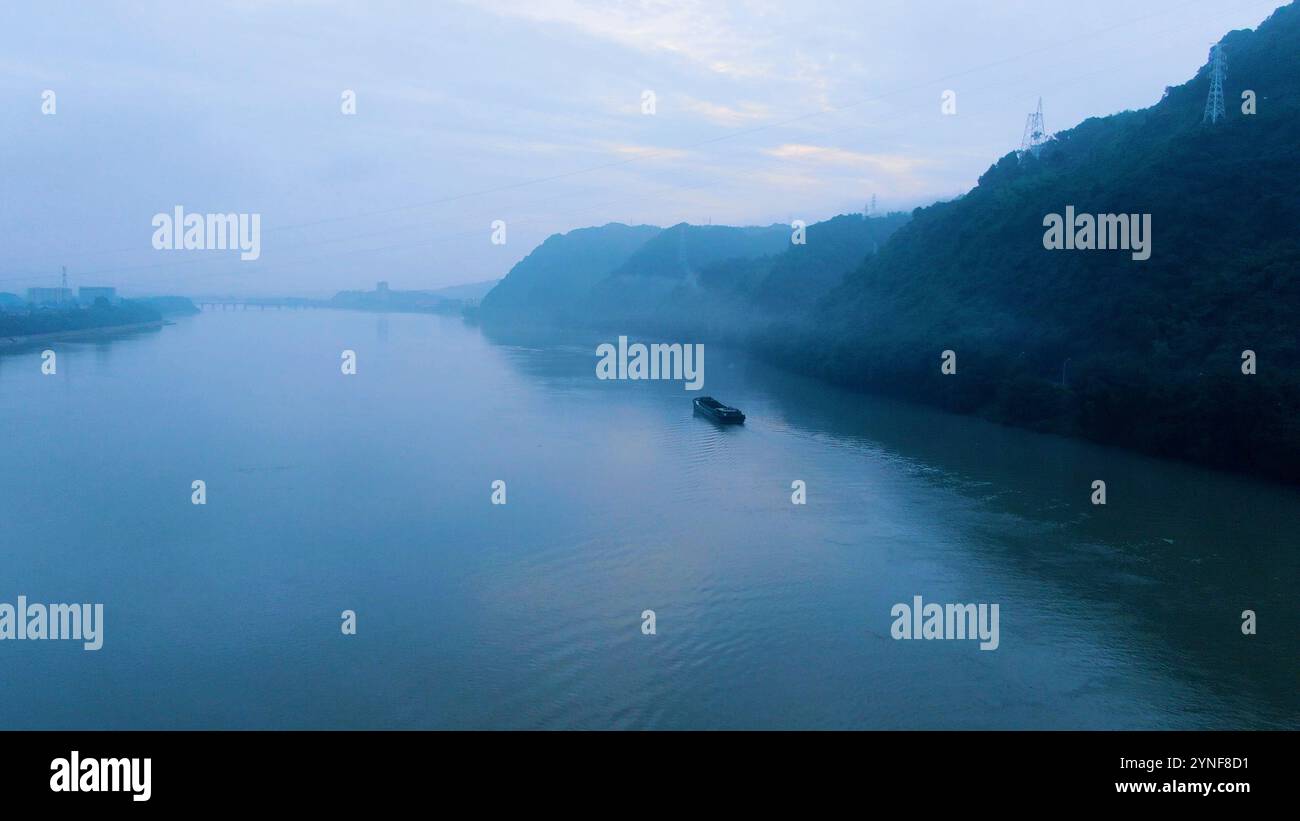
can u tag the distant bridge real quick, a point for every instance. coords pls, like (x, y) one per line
(278, 303)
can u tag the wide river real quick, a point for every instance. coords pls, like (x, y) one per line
(373, 493)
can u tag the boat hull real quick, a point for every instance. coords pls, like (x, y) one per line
(729, 416)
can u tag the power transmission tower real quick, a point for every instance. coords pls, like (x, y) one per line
(64, 286)
(1035, 131)
(1214, 103)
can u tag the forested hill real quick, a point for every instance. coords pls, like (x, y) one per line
(800, 274)
(548, 283)
(1142, 353)
(644, 288)
(740, 297)
(714, 280)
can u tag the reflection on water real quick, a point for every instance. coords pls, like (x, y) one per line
(371, 492)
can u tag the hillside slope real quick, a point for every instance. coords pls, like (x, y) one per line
(799, 275)
(1145, 354)
(641, 288)
(548, 284)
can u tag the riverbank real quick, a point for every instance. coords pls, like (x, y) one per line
(42, 325)
(8, 343)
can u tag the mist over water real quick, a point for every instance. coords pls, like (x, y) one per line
(372, 493)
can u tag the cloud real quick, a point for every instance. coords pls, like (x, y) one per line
(701, 33)
(647, 152)
(896, 164)
(737, 115)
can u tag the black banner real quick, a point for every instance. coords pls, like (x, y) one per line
(142, 770)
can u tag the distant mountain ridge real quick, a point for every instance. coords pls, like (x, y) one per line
(546, 285)
(642, 289)
(467, 292)
(800, 274)
(681, 251)
(674, 277)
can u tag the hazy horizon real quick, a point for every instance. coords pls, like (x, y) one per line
(764, 113)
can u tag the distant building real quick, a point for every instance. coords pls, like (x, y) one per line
(49, 296)
(382, 287)
(87, 296)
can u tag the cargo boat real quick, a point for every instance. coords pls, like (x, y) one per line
(718, 412)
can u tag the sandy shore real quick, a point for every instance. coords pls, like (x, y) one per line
(83, 333)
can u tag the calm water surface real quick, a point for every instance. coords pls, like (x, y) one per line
(372, 493)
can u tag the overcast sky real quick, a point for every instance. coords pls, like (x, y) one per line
(526, 111)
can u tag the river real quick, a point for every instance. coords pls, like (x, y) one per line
(373, 493)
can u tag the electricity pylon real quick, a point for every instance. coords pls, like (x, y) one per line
(1035, 131)
(1214, 110)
